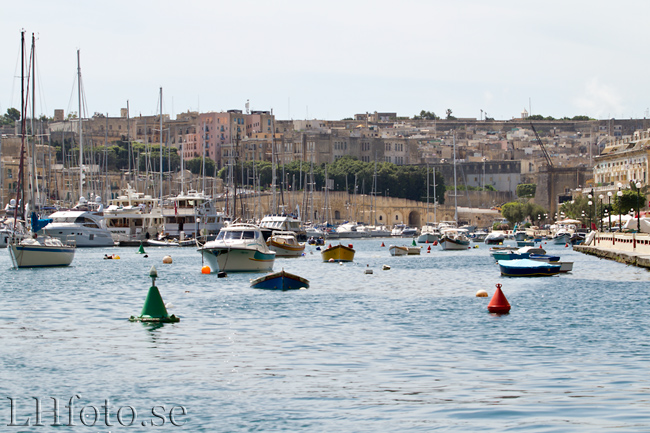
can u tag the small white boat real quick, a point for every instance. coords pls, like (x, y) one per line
(396, 250)
(238, 248)
(562, 237)
(429, 233)
(351, 230)
(494, 238)
(285, 244)
(40, 252)
(454, 239)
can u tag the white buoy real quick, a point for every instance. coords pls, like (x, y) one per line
(385, 268)
(167, 259)
(481, 294)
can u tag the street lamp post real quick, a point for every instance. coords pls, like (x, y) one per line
(609, 210)
(600, 216)
(638, 207)
(619, 194)
(590, 203)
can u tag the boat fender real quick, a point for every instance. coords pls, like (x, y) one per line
(331, 260)
(482, 294)
(350, 246)
(385, 268)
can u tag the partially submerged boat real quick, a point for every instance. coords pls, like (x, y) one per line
(281, 280)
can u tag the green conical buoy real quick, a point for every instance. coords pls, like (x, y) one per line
(141, 249)
(154, 309)
(414, 242)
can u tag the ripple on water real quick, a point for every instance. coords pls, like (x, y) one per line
(410, 348)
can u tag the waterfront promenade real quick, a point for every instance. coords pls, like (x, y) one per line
(630, 248)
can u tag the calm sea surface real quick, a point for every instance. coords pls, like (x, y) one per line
(407, 349)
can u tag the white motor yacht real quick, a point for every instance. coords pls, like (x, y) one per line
(191, 214)
(238, 248)
(82, 225)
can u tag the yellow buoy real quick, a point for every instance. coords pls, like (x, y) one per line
(481, 294)
(206, 269)
(167, 259)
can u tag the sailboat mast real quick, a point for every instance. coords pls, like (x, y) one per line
(81, 131)
(427, 192)
(274, 205)
(33, 146)
(161, 148)
(455, 195)
(20, 191)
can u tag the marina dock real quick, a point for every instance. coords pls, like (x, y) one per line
(629, 248)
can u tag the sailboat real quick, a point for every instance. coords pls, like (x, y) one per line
(33, 251)
(454, 238)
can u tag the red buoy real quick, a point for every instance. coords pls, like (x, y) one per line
(435, 243)
(429, 248)
(382, 244)
(566, 245)
(499, 304)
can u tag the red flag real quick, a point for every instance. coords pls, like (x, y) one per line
(175, 209)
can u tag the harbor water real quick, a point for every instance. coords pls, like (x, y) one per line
(406, 349)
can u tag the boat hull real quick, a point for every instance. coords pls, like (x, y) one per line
(286, 250)
(428, 238)
(338, 253)
(280, 281)
(81, 236)
(398, 251)
(40, 256)
(451, 244)
(238, 259)
(528, 268)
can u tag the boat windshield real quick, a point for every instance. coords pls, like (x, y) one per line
(238, 234)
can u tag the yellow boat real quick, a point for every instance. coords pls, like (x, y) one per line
(338, 253)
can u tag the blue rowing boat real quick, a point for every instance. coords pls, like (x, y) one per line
(280, 281)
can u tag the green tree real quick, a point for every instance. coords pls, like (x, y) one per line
(426, 115)
(13, 114)
(526, 190)
(514, 212)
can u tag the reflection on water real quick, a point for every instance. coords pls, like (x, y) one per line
(410, 348)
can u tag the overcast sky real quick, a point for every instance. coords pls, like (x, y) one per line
(333, 59)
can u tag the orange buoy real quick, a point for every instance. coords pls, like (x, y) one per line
(499, 304)
(566, 245)
(205, 269)
(435, 243)
(427, 241)
(382, 244)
